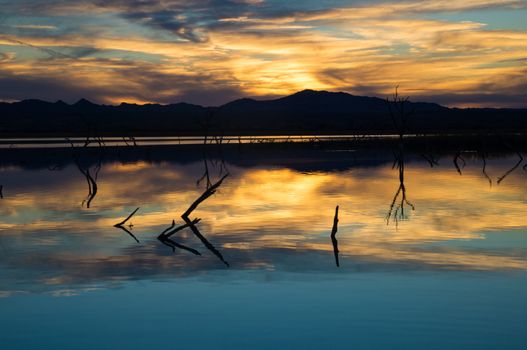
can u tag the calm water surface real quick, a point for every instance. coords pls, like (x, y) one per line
(429, 257)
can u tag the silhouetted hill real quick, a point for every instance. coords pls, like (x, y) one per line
(305, 112)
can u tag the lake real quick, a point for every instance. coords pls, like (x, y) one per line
(429, 249)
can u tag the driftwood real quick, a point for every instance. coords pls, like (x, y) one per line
(333, 236)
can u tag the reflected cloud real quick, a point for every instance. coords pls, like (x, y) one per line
(264, 217)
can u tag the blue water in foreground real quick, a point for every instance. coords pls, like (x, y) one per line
(249, 310)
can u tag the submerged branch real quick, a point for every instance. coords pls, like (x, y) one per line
(333, 236)
(122, 227)
(511, 170)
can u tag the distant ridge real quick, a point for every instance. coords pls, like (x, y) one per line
(305, 112)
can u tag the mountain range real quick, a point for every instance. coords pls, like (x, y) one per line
(306, 112)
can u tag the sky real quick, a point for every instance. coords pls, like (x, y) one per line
(469, 53)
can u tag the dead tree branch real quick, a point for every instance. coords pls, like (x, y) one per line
(122, 227)
(511, 170)
(208, 192)
(127, 218)
(185, 216)
(333, 236)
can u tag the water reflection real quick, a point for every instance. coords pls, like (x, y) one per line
(164, 237)
(271, 214)
(121, 225)
(399, 201)
(334, 236)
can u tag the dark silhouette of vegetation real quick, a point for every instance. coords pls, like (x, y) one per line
(400, 110)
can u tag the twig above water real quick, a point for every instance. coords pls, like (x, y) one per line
(209, 192)
(127, 218)
(122, 227)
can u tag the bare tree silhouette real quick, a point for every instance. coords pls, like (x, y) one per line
(399, 114)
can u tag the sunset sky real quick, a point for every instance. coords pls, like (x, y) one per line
(457, 53)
